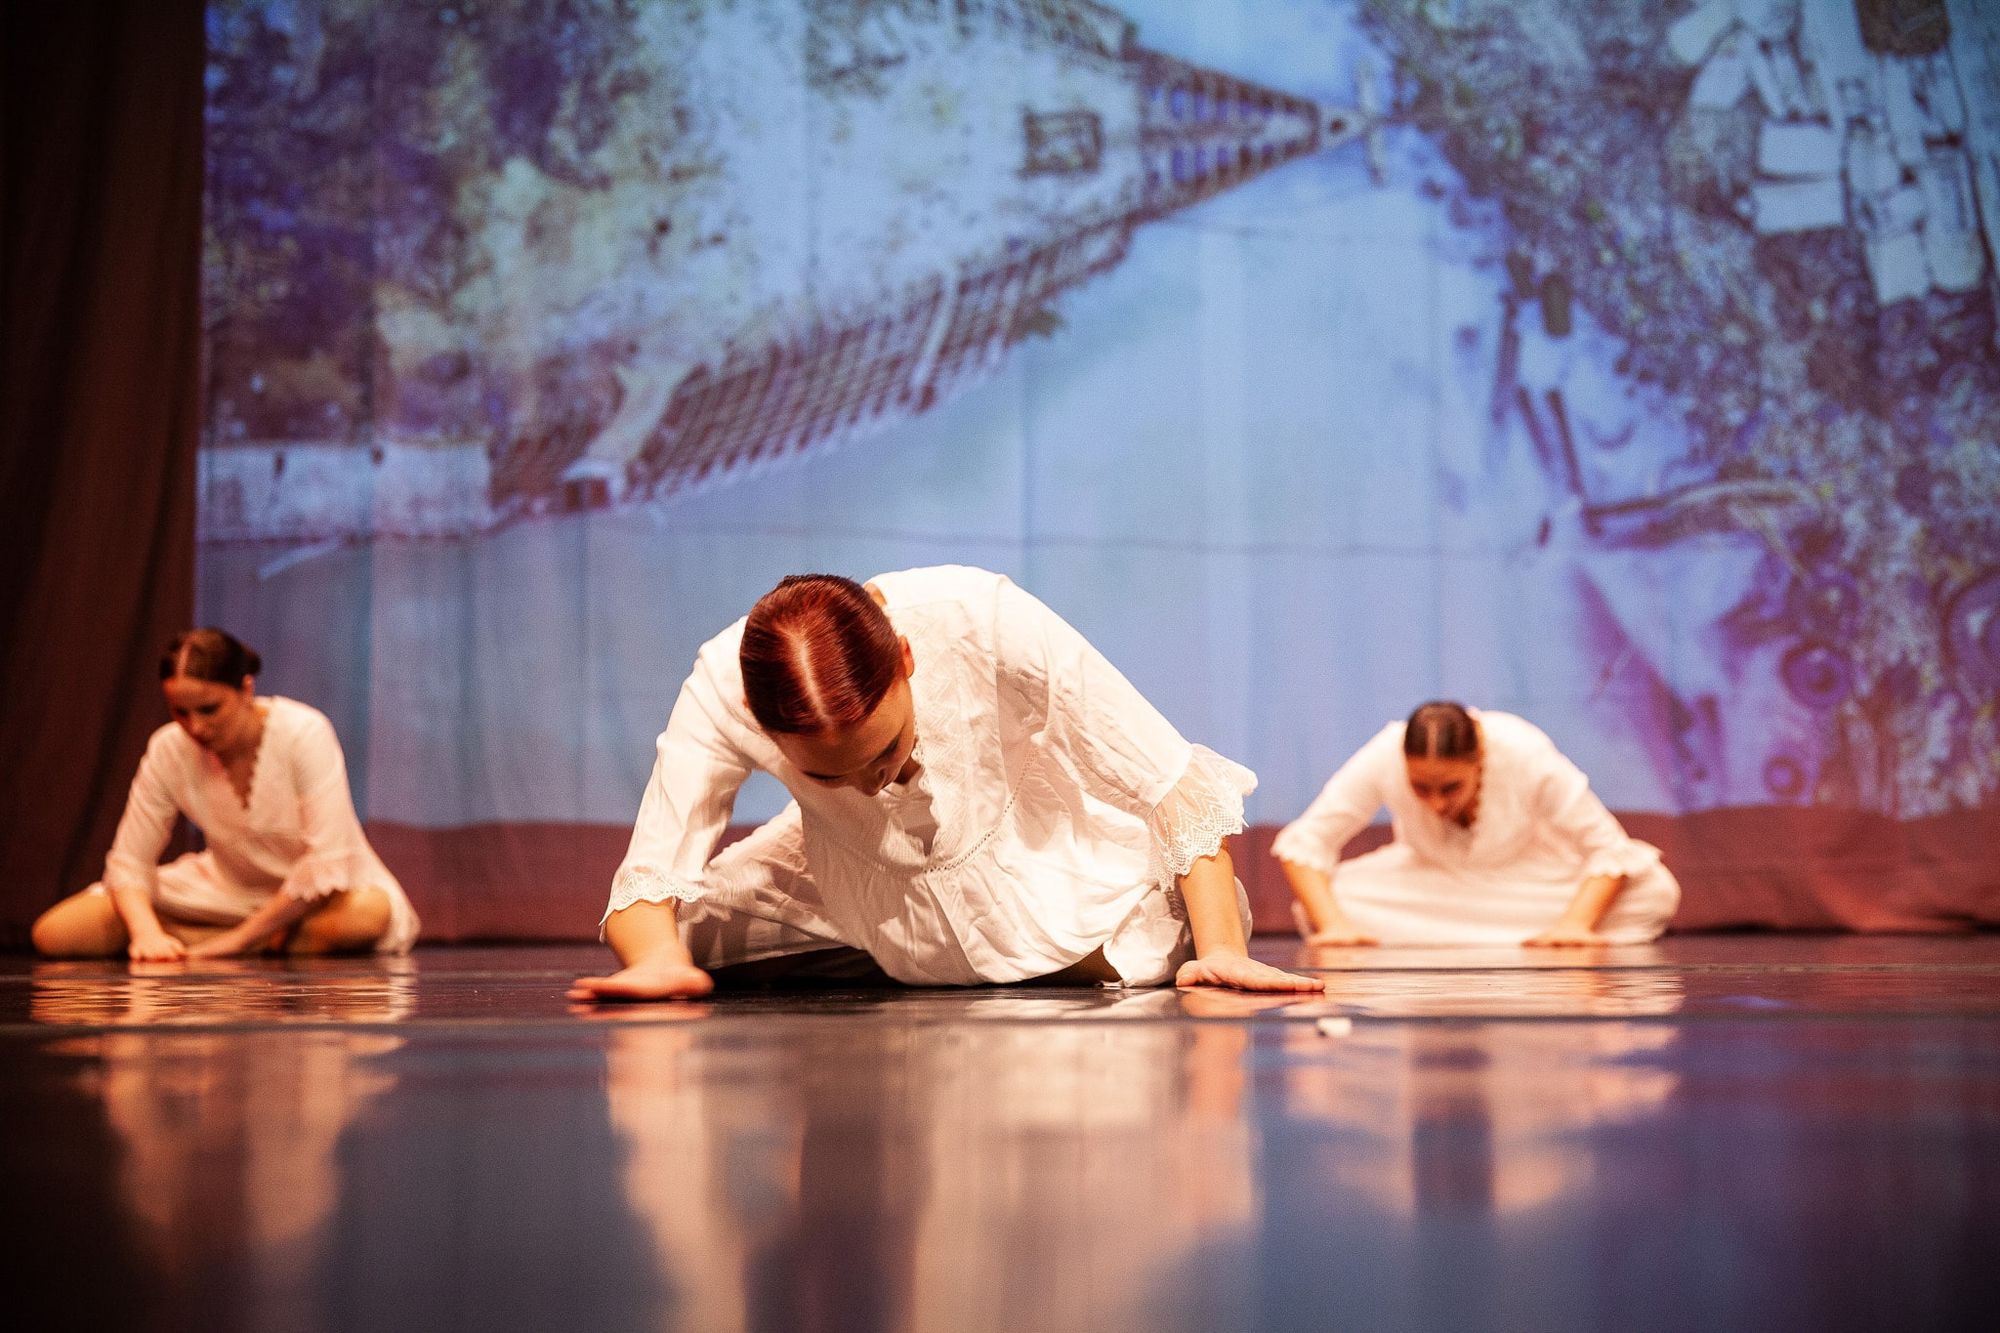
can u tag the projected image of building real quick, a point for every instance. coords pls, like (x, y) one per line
(798, 224)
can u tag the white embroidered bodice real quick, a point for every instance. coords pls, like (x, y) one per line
(1050, 795)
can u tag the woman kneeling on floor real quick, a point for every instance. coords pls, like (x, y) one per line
(286, 867)
(1498, 840)
(978, 797)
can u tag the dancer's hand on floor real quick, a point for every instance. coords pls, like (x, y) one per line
(156, 947)
(646, 981)
(1240, 973)
(1562, 935)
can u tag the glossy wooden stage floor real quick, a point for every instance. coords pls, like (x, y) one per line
(1719, 1133)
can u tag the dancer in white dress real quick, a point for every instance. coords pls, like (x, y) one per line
(978, 797)
(1498, 840)
(286, 864)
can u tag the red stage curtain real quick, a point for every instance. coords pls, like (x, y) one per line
(99, 392)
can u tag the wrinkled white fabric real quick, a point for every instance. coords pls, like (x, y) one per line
(1540, 832)
(1052, 803)
(295, 834)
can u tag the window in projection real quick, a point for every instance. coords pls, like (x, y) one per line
(1631, 367)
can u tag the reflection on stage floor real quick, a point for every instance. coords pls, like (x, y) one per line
(1716, 1131)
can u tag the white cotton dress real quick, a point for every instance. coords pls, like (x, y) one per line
(296, 834)
(1540, 832)
(1051, 812)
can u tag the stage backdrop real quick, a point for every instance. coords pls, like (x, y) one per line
(1630, 366)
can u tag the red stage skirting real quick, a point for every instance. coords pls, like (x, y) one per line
(1778, 868)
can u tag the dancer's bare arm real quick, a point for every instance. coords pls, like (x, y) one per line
(1222, 955)
(655, 964)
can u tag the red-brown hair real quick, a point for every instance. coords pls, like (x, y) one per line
(818, 656)
(1441, 729)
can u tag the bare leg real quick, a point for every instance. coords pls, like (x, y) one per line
(83, 925)
(350, 921)
(87, 925)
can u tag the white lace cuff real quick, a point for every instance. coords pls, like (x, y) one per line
(1299, 847)
(314, 876)
(1629, 858)
(643, 883)
(1203, 808)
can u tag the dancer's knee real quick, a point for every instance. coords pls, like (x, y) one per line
(83, 925)
(349, 921)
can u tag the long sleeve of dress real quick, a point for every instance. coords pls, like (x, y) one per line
(146, 825)
(1125, 752)
(1344, 807)
(1573, 811)
(697, 771)
(336, 853)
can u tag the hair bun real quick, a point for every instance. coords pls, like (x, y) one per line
(209, 654)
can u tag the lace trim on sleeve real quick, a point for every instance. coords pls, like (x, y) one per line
(1203, 808)
(647, 884)
(1299, 847)
(314, 877)
(1629, 858)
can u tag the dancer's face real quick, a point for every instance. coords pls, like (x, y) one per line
(220, 718)
(867, 757)
(1449, 787)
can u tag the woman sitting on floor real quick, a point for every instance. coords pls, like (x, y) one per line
(286, 865)
(1498, 840)
(978, 797)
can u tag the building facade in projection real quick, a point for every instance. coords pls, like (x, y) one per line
(797, 224)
